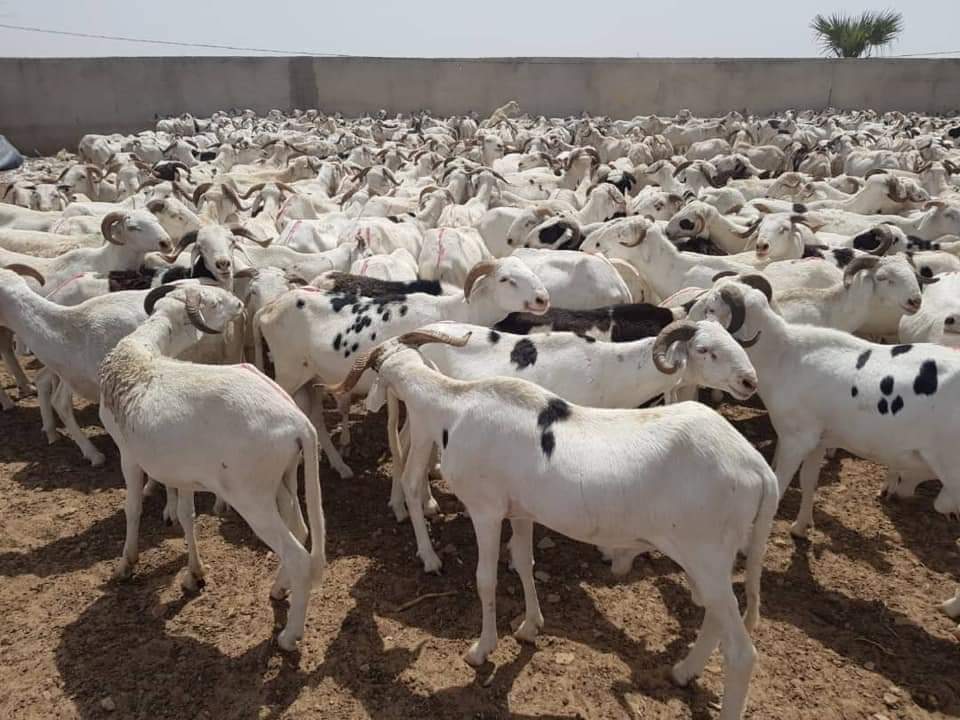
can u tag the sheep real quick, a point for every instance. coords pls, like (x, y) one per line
(667, 269)
(70, 342)
(698, 219)
(448, 253)
(866, 281)
(312, 332)
(648, 489)
(615, 323)
(575, 280)
(156, 410)
(826, 388)
(938, 320)
(586, 372)
(130, 236)
(399, 265)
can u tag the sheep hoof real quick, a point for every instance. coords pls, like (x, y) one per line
(528, 631)
(52, 436)
(278, 593)
(343, 471)
(476, 655)
(124, 571)
(400, 512)
(680, 675)
(97, 460)
(952, 606)
(799, 530)
(220, 507)
(432, 563)
(287, 640)
(431, 508)
(192, 584)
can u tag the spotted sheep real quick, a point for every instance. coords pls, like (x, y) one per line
(313, 333)
(514, 450)
(824, 388)
(581, 370)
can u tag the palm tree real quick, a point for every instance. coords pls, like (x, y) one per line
(846, 36)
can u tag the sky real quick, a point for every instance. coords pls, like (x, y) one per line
(457, 28)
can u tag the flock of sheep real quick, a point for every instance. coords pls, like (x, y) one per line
(520, 292)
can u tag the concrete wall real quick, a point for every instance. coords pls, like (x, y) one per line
(46, 104)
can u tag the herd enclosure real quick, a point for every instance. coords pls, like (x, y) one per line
(849, 626)
(46, 104)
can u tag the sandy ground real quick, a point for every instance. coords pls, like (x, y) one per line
(850, 627)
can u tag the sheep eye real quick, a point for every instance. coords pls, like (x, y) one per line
(503, 279)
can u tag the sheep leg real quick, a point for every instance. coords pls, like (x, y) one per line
(952, 607)
(63, 404)
(431, 508)
(289, 507)
(398, 458)
(312, 403)
(790, 453)
(739, 656)
(413, 471)
(721, 623)
(809, 474)
(193, 581)
(133, 477)
(13, 364)
(487, 530)
(264, 518)
(6, 402)
(45, 384)
(521, 550)
(170, 508)
(343, 405)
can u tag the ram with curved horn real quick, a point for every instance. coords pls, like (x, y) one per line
(538, 437)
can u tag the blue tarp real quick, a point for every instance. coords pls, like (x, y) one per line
(10, 159)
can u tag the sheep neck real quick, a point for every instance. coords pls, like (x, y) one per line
(47, 320)
(726, 234)
(664, 267)
(164, 335)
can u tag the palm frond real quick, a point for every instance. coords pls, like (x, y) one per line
(846, 36)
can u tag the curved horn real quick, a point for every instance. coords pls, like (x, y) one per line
(248, 234)
(885, 233)
(758, 282)
(26, 271)
(722, 274)
(733, 297)
(194, 314)
(416, 338)
(679, 331)
(750, 229)
(864, 262)
(232, 196)
(199, 192)
(253, 189)
(186, 241)
(476, 272)
(641, 235)
(389, 176)
(360, 365)
(107, 224)
(150, 301)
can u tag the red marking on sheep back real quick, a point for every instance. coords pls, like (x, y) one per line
(66, 282)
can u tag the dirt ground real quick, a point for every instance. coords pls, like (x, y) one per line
(849, 626)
